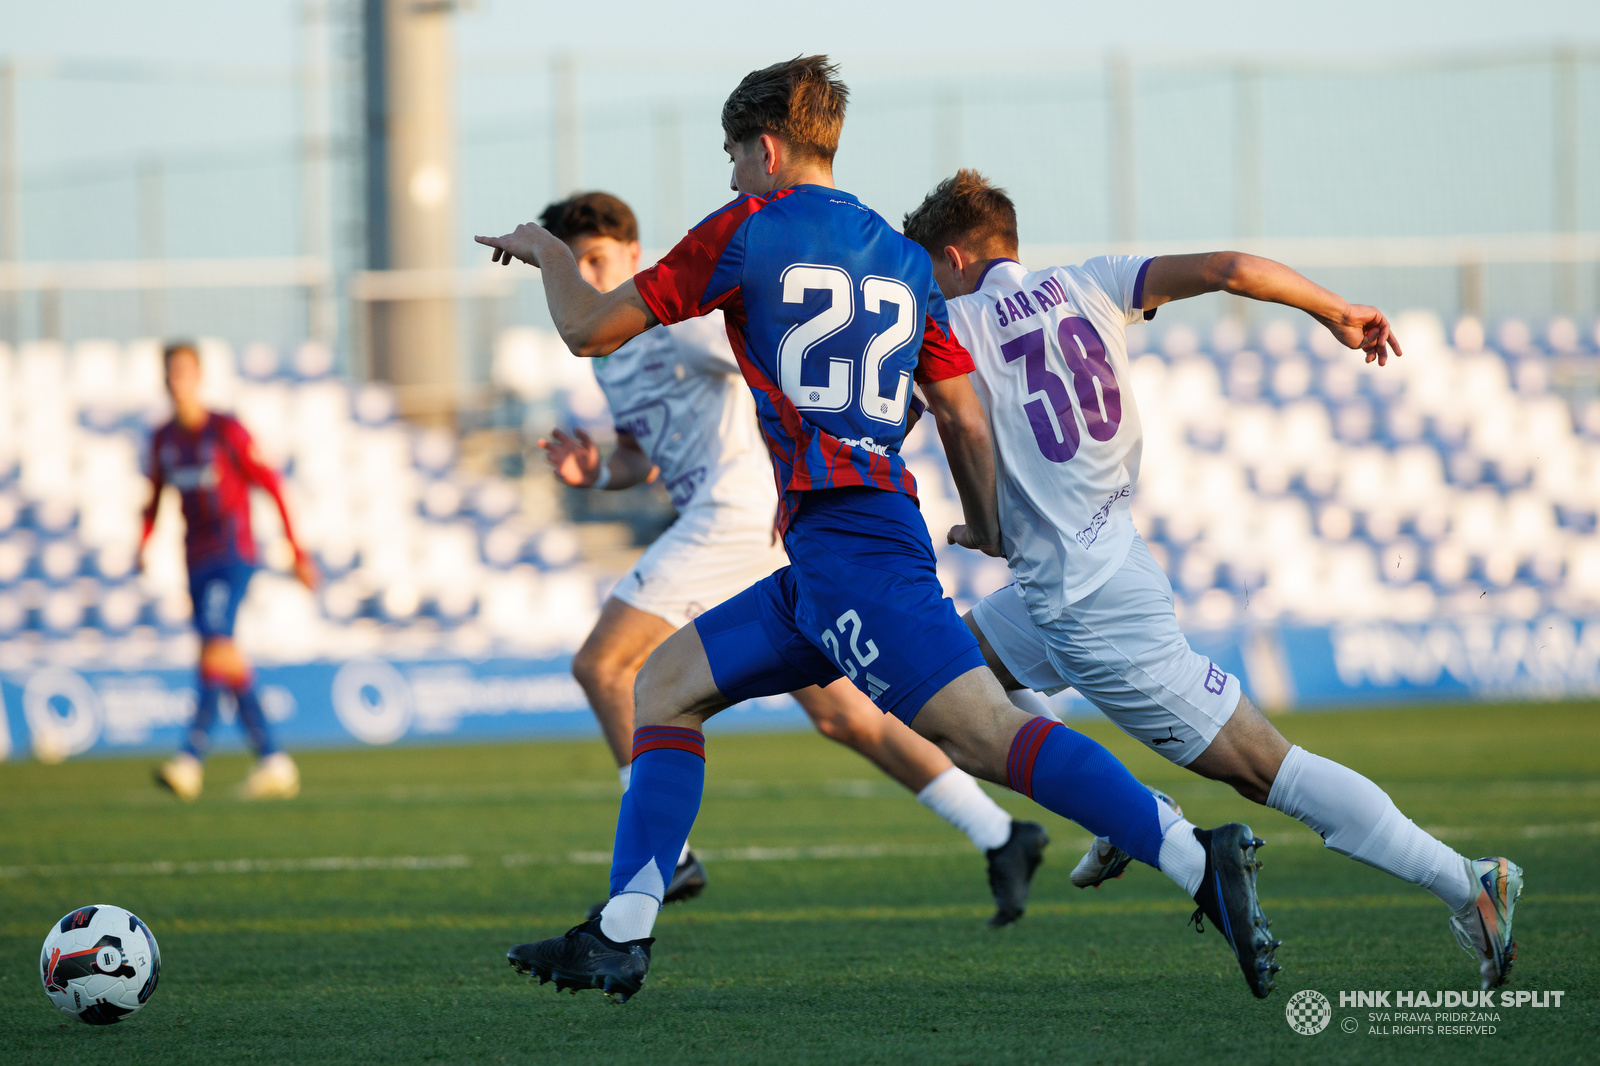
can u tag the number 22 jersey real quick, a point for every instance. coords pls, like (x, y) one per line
(832, 314)
(1051, 362)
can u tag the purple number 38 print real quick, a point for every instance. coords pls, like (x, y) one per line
(1092, 379)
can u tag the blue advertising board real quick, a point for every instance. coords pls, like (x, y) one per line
(56, 712)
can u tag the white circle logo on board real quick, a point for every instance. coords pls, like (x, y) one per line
(372, 700)
(74, 727)
(1308, 1012)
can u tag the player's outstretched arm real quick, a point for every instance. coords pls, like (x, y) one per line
(591, 322)
(1178, 277)
(576, 461)
(258, 473)
(158, 482)
(967, 447)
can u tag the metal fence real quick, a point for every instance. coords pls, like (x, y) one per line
(1459, 183)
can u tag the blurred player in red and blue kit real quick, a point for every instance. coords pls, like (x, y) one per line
(212, 462)
(831, 315)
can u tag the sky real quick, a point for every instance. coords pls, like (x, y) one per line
(78, 130)
(85, 141)
(262, 31)
(77, 120)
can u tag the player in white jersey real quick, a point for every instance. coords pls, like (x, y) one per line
(1090, 608)
(684, 415)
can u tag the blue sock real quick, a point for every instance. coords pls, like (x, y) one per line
(196, 740)
(663, 797)
(1066, 772)
(254, 722)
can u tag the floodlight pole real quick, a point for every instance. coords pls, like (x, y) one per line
(410, 200)
(947, 134)
(670, 222)
(1565, 171)
(566, 125)
(1247, 185)
(153, 241)
(10, 195)
(1123, 171)
(316, 150)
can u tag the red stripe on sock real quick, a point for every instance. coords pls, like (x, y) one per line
(1031, 738)
(655, 737)
(1019, 744)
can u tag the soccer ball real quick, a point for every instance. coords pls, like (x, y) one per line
(99, 964)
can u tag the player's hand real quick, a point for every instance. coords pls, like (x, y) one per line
(305, 569)
(1365, 328)
(521, 243)
(962, 536)
(575, 459)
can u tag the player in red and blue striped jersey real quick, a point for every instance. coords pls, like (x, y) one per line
(832, 315)
(210, 459)
(829, 422)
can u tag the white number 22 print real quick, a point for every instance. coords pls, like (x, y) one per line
(838, 393)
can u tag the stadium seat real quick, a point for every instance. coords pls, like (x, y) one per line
(1276, 468)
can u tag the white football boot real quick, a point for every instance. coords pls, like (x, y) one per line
(274, 777)
(1104, 861)
(1483, 927)
(183, 775)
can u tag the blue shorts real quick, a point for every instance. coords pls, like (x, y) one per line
(216, 592)
(860, 599)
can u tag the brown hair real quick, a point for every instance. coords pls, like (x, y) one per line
(596, 213)
(801, 101)
(968, 211)
(174, 347)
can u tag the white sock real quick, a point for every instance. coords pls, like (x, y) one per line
(956, 797)
(1358, 819)
(629, 916)
(1030, 702)
(625, 775)
(683, 856)
(1182, 857)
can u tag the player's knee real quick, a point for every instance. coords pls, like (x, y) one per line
(848, 729)
(659, 694)
(221, 661)
(1233, 765)
(597, 669)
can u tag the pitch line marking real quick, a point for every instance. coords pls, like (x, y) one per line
(793, 853)
(329, 864)
(512, 924)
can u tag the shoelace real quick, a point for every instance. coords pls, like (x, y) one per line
(1198, 919)
(1464, 937)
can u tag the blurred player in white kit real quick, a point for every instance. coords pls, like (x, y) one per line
(1090, 608)
(684, 415)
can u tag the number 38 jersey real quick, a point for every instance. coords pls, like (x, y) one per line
(832, 314)
(1052, 372)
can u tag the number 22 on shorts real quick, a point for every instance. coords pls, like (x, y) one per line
(849, 625)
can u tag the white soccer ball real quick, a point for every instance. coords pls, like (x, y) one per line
(100, 964)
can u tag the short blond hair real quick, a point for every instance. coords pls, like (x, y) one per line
(968, 211)
(801, 101)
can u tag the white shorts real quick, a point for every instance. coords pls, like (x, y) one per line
(1121, 648)
(708, 555)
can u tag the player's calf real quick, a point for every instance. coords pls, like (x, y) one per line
(1246, 753)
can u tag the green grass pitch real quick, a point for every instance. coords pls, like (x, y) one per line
(368, 920)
